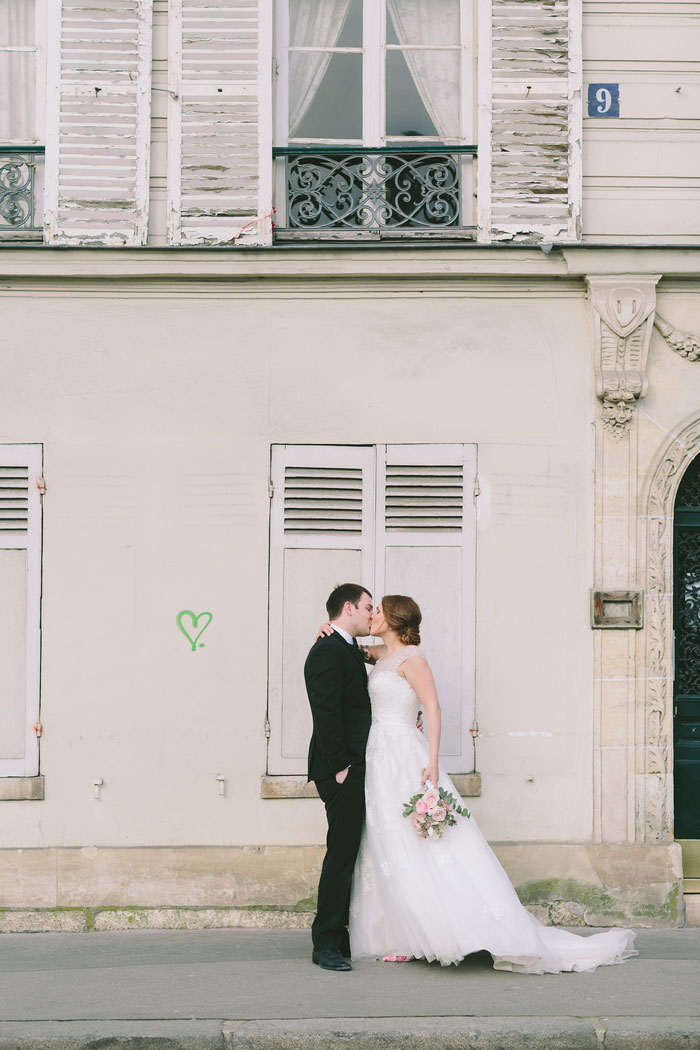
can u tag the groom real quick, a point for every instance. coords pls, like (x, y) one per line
(336, 683)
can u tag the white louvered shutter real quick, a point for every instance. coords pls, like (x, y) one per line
(321, 534)
(214, 181)
(98, 130)
(536, 185)
(20, 597)
(426, 548)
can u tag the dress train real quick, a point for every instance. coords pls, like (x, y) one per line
(443, 899)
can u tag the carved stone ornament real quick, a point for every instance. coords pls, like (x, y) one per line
(655, 776)
(684, 343)
(623, 318)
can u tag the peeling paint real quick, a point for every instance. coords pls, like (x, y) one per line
(100, 117)
(535, 116)
(213, 176)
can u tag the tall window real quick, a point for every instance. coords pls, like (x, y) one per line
(22, 95)
(392, 76)
(399, 519)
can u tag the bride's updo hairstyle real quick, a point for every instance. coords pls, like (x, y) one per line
(402, 615)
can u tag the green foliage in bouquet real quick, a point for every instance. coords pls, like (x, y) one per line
(432, 810)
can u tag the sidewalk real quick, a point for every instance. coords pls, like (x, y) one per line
(258, 990)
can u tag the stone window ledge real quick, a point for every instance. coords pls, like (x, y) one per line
(21, 236)
(468, 785)
(21, 789)
(372, 236)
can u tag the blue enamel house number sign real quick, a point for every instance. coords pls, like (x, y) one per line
(603, 100)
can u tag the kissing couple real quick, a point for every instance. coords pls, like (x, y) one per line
(404, 896)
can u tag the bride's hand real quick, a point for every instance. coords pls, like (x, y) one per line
(324, 631)
(432, 773)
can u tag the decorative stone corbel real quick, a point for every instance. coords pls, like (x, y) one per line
(623, 318)
(684, 343)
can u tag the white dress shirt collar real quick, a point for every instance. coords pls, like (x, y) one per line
(343, 634)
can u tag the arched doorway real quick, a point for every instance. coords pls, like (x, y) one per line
(686, 686)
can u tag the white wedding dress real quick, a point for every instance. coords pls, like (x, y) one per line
(442, 898)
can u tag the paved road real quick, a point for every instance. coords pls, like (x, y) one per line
(257, 989)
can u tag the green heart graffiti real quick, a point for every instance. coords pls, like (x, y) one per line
(193, 638)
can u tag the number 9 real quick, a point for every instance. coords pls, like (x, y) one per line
(604, 97)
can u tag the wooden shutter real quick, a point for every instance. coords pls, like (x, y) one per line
(536, 120)
(220, 76)
(426, 548)
(20, 596)
(98, 128)
(321, 534)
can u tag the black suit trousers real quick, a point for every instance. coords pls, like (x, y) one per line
(345, 810)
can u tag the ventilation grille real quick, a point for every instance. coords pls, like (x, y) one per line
(14, 499)
(425, 498)
(323, 499)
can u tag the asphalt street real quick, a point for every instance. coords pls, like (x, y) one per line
(238, 987)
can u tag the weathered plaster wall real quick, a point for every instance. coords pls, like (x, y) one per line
(157, 384)
(157, 407)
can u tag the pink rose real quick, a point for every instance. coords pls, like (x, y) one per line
(421, 806)
(439, 813)
(431, 799)
(417, 823)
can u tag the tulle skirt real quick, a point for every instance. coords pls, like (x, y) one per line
(442, 899)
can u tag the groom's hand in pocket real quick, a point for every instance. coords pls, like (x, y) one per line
(341, 775)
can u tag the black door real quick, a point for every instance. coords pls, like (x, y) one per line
(686, 709)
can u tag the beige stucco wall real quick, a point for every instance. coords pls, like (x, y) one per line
(157, 383)
(157, 407)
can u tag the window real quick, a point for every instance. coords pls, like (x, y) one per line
(22, 94)
(374, 114)
(20, 596)
(397, 518)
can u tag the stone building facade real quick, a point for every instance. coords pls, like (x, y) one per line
(299, 292)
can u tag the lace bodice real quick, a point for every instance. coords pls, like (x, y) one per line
(394, 702)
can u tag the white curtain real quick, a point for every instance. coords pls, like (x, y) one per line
(435, 73)
(17, 72)
(316, 23)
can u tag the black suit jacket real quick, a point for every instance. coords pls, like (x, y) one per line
(336, 683)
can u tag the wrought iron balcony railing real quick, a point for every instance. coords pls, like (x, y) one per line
(19, 186)
(385, 188)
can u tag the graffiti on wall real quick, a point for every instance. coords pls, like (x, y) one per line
(188, 622)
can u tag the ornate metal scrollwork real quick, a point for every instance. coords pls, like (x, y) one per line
(360, 191)
(688, 610)
(16, 191)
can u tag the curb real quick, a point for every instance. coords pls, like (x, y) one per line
(405, 1033)
(111, 1035)
(467, 1033)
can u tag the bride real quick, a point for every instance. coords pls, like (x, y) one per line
(437, 899)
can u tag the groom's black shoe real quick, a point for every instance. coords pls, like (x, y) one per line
(329, 959)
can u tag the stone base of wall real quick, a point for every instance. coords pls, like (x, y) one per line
(201, 887)
(85, 920)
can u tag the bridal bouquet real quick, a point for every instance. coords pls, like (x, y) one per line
(432, 810)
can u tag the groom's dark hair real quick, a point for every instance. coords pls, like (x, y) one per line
(345, 592)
